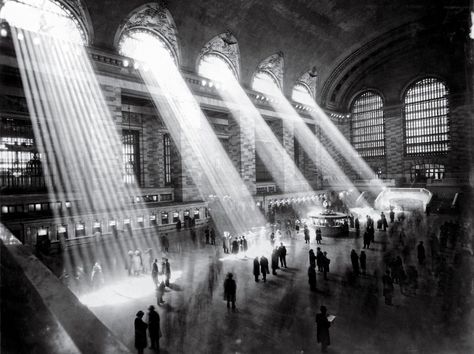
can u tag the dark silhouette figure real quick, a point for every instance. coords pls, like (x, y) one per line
(355, 262)
(363, 261)
(322, 331)
(213, 236)
(392, 216)
(312, 278)
(140, 332)
(165, 243)
(235, 246)
(421, 253)
(245, 245)
(166, 270)
(230, 289)
(256, 268)
(207, 234)
(319, 236)
(264, 267)
(357, 227)
(367, 239)
(306, 234)
(282, 255)
(178, 225)
(275, 261)
(312, 259)
(326, 262)
(154, 272)
(154, 328)
(319, 259)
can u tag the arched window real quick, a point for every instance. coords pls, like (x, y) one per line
(302, 94)
(144, 45)
(421, 172)
(45, 17)
(264, 82)
(367, 125)
(215, 67)
(426, 110)
(146, 30)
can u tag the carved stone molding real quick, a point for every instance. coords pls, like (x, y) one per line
(274, 65)
(153, 17)
(226, 46)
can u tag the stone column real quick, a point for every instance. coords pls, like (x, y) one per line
(242, 149)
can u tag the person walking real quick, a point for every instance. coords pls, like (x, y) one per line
(312, 258)
(154, 330)
(319, 236)
(230, 289)
(264, 268)
(326, 262)
(363, 261)
(275, 261)
(357, 227)
(306, 234)
(213, 236)
(421, 253)
(282, 255)
(367, 239)
(319, 259)
(155, 272)
(312, 278)
(355, 262)
(140, 332)
(322, 330)
(166, 270)
(256, 269)
(207, 234)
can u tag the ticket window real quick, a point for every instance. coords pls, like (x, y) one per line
(113, 227)
(164, 218)
(97, 227)
(196, 214)
(80, 229)
(43, 243)
(126, 225)
(62, 232)
(153, 220)
(140, 222)
(175, 217)
(186, 215)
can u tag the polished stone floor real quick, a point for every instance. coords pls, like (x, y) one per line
(279, 316)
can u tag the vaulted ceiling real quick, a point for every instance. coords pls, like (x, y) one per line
(310, 33)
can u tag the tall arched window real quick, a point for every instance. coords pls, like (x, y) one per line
(45, 17)
(264, 82)
(367, 125)
(215, 67)
(302, 94)
(144, 45)
(426, 110)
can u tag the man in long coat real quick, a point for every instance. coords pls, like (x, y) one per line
(154, 328)
(256, 268)
(140, 332)
(230, 289)
(264, 267)
(322, 331)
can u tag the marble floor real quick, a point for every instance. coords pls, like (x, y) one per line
(279, 316)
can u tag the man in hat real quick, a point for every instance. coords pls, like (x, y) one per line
(230, 289)
(154, 328)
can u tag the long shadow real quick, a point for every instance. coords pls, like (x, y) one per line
(175, 287)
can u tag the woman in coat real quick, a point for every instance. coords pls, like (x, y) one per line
(140, 332)
(275, 258)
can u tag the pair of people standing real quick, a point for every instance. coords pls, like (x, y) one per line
(260, 267)
(154, 330)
